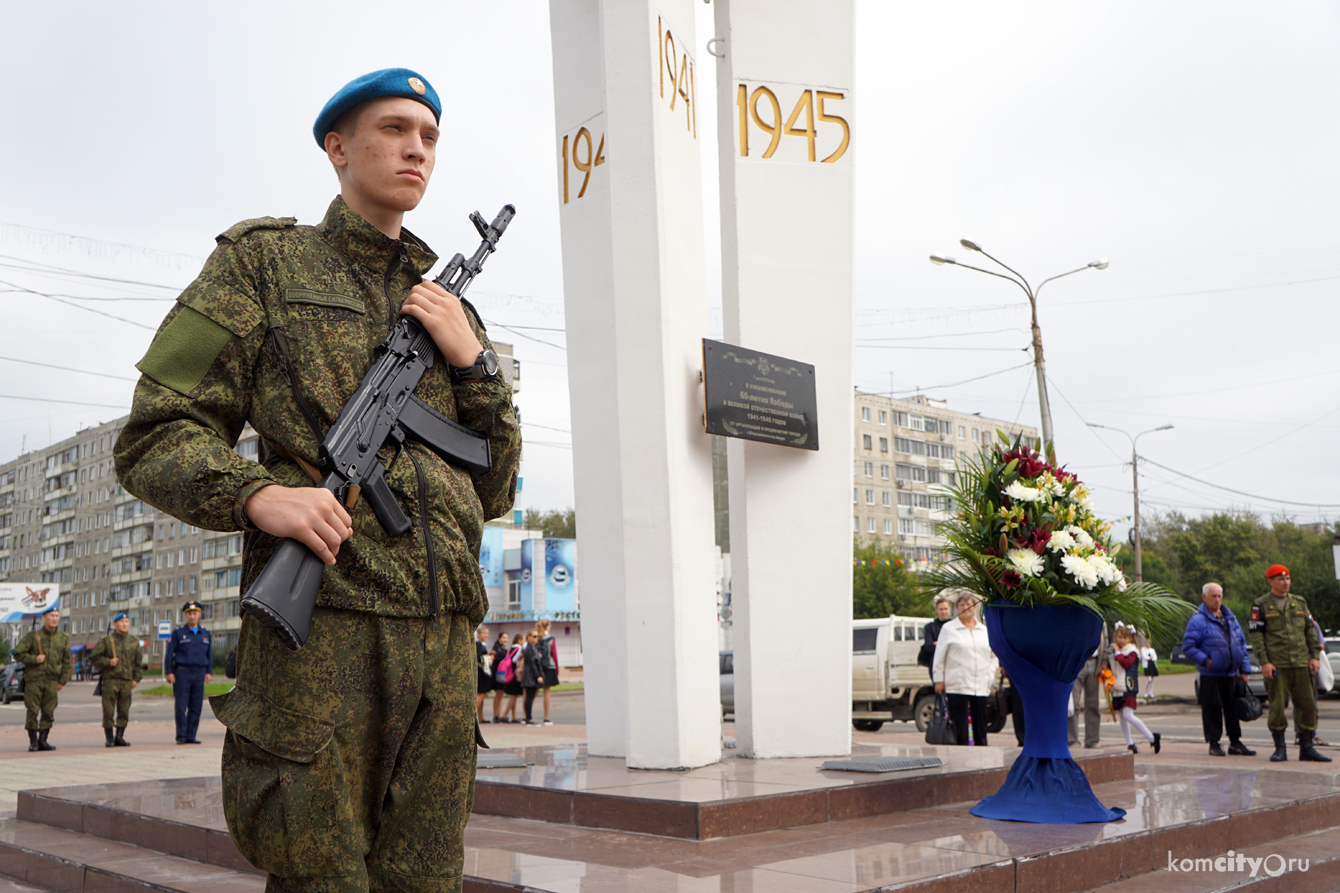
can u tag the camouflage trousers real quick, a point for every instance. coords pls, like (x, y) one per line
(350, 765)
(39, 696)
(1296, 682)
(116, 703)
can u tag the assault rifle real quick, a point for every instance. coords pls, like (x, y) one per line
(383, 411)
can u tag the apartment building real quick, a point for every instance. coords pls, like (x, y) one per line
(905, 451)
(65, 519)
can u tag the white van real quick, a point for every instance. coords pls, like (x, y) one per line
(887, 683)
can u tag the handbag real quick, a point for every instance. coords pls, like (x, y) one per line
(940, 730)
(1245, 704)
(97, 689)
(1325, 675)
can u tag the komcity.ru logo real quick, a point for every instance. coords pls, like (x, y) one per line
(1273, 865)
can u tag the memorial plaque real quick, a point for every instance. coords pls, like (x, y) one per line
(758, 396)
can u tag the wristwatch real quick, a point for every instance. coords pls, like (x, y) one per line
(486, 366)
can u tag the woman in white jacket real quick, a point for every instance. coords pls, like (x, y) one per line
(965, 668)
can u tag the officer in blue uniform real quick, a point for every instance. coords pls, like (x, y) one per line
(188, 660)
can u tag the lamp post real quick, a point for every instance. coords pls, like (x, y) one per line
(1135, 484)
(1039, 365)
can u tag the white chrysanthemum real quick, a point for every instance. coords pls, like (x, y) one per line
(1022, 492)
(1082, 538)
(1061, 541)
(1025, 561)
(1121, 583)
(1080, 568)
(1106, 569)
(1080, 495)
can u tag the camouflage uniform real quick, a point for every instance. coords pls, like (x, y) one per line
(329, 728)
(1287, 639)
(117, 681)
(41, 681)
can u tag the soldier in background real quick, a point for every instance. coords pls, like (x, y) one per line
(117, 656)
(187, 662)
(1286, 645)
(45, 655)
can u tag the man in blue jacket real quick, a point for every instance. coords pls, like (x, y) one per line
(1215, 644)
(187, 662)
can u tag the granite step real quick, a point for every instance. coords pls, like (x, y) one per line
(1275, 874)
(57, 859)
(9, 885)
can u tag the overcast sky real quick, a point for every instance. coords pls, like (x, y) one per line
(1193, 145)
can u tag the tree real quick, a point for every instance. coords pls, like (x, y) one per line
(881, 583)
(556, 524)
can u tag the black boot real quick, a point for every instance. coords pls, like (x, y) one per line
(108, 733)
(32, 740)
(1238, 749)
(42, 743)
(120, 740)
(1308, 753)
(1281, 753)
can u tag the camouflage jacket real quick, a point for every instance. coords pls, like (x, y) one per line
(1285, 638)
(280, 308)
(56, 646)
(126, 649)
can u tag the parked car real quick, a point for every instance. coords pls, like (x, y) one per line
(1333, 657)
(726, 662)
(887, 683)
(11, 682)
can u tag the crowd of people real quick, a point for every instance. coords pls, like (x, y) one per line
(523, 668)
(1284, 637)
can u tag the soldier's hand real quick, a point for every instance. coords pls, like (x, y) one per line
(115, 661)
(171, 678)
(310, 515)
(59, 687)
(208, 677)
(1314, 665)
(1268, 671)
(444, 319)
(41, 658)
(133, 684)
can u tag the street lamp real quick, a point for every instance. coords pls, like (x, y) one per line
(1135, 484)
(1038, 364)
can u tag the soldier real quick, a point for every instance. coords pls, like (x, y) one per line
(370, 726)
(187, 660)
(1285, 642)
(117, 656)
(45, 655)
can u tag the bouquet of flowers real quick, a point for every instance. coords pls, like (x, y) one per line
(1024, 531)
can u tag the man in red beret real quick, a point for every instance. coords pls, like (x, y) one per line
(1285, 641)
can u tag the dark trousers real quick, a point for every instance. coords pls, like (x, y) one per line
(1216, 708)
(1017, 714)
(189, 693)
(530, 701)
(959, 707)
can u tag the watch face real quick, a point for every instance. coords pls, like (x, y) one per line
(489, 360)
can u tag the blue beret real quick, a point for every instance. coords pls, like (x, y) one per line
(122, 616)
(378, 84)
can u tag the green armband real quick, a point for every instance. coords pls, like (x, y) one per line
(184, 350)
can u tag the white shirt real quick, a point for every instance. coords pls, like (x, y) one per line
(964, 661)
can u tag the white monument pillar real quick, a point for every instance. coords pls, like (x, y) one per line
(784, 120)
(626, 84)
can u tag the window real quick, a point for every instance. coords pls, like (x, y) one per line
(974, 435)
(869, 497)
(863, 640)
(888, 526)
(905, 525)
(865, 442)
(883, 444)
(869, 525)
(855, 523)
(916, 423)
(883, 417)
(885, 498)
(855, 495)
(961, 433)
(865, 413)
(884, 472)
(900, 419)
(910, 472)
(869, 469)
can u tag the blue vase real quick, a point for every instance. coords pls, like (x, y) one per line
(1043, 648)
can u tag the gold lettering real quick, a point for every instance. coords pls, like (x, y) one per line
(775, 127)
(846, 130)
(805, 102)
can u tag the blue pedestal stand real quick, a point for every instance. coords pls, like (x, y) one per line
(1043, 648)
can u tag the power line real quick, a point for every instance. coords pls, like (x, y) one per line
(60, 300)
(70, 402)
(937, 387)
(68, 369)
(1311, 505)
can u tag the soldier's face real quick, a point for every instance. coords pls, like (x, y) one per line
(51, 620)
(122, 626)
(385, 163)
(1279, 584)
(192, 619)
